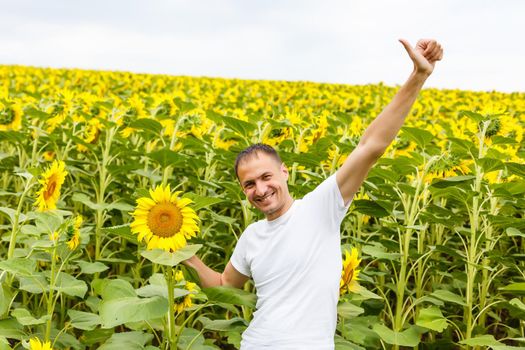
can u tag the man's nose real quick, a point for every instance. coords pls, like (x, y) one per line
(260, 188)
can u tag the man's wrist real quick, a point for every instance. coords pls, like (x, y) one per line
(420, 75)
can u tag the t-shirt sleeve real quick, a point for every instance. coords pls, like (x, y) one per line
(329, 200)
(238, 258)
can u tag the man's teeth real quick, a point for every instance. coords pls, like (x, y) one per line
(265, 198)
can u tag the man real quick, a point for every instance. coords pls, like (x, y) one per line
(294, 255)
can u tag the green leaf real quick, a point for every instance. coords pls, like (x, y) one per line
(342, 344)
(116, 289)
(115, 312)
(162, 257)
(120, 205)
(147, 124)
(452, 181)
(478, 118)
(121, 230)
(84, 199)
(24, 317)
(490, 164)
(517, 303)
(127, 341)
(446, 295)
(166, 157)
(408, 337)
(513, 232)
(230, 295)
(6, 297)
(240, 126)
(419, 136)
(349, 310)
(368, 207)
(514, 287)
(200, 202)
(378, 251)
(71, 286)
(233, 324)
(432, 318)
(158, 287)
(35, 284)
(364, 294)
(10, 328)
(10, 213)
(91, 267)
(191, 339)
(482, 340)
(4, 344)
(516, 169)
(19, 266)
(83, 320)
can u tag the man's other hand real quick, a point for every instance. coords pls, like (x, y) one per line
(424, 55)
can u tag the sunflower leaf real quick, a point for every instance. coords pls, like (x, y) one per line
(115, 312)
(230, 295)
(162, 257)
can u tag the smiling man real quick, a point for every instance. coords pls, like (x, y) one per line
(293, 255)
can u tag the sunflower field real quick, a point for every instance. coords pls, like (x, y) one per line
(109, 180)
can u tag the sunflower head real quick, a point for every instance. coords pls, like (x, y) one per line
(163, 220)
(36, 344)
(73, 233)
(51, 181)
(10, 116)
(350, 273)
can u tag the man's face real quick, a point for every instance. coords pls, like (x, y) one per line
(263, 180)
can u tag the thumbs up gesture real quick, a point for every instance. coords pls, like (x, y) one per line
(424, 55)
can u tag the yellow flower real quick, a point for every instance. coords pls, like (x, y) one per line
(349, 275)
(90, 133)
(73, 233)
(48, 155)
(179, 276)
(164, 221)
(10, 117)
(36, 344)
(186, 302)
(54, 236)
(51, 181)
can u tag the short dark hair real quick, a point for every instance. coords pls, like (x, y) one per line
(252, 151)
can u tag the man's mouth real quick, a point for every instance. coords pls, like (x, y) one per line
(265, 199)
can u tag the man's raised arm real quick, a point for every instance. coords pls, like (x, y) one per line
(382, 131)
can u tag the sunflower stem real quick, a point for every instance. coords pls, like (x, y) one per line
(104, 179)
(14, 232)
(172, 340)
(50, 301)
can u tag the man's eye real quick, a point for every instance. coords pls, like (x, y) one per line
(267, 177)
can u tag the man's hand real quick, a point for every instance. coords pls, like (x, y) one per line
(425, 55)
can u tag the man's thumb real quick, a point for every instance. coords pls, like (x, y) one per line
(409, 48)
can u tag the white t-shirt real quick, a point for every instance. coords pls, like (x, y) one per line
(295, 262)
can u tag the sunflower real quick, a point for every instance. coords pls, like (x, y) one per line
(51, 181)
(36, 344)
(48, 156)
(73, 233)
(185, 301)
(349, 275)
(10, 117)
(164, 221)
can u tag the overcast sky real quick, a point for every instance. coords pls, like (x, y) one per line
(351, 42)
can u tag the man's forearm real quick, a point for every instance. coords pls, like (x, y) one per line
(208, 277)
(382, 131)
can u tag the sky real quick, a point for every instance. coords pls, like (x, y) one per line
(334, 41)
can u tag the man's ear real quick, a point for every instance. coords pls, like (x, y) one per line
(284, 170)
